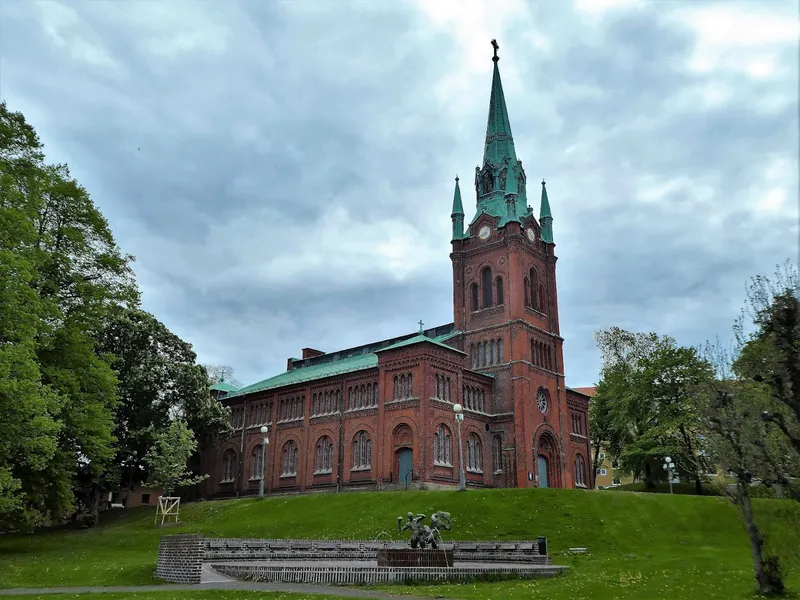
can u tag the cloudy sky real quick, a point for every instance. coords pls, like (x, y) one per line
(283, 171)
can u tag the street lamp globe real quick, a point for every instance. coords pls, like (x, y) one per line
(264, 429)
(457, 408)
(667, 459)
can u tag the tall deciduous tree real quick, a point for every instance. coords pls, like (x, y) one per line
(159, 380)
(644, 406)
(746, 447)
(771, 353)
(61, 271)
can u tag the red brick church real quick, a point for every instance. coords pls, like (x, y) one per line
(382, 415)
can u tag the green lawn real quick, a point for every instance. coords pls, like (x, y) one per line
(642, 545)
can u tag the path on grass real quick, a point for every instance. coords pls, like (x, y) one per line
(295, 588)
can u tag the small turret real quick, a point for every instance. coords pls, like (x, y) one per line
(457, 215)
(511, 192)
(546, 217)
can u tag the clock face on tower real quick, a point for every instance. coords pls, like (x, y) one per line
(531, 234)
(485, 232)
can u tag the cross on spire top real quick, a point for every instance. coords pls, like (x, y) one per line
(495, 58)
(420, 325)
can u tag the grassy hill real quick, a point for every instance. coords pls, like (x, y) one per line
(641, 545)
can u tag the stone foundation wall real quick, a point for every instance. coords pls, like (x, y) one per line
(180, 558)
(327, 575)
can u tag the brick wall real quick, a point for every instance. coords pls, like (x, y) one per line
(180, 558)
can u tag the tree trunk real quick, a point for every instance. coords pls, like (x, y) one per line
(649, 482)
(698, 486)
(595, 466)
(765, 569)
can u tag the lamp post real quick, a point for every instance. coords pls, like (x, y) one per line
(669, 467)
(462, 480)
(264, 430)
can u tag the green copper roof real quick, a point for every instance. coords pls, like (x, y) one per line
(499, 143)
(222, 386)
(458, 208)
(310, 373)
(340, 363)
(546, 217)
(418, 339)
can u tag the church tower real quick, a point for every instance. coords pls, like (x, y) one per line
(506, 306)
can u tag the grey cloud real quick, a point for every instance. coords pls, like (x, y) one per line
(309, 107)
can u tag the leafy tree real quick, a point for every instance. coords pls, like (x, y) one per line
(643, 409)
(604, 425)
(158, 380)
(668, 390)
(168, 459)
(746, 447)
(771, 353)
(29, 433)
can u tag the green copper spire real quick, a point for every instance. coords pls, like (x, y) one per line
(501, 173)
(546, 217)
(457, 215)
(499, 143)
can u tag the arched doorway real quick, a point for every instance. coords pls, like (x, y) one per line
(405, 465)
(543, 479)
(547, 461)
(403, 444)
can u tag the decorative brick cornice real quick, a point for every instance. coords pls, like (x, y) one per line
(291, 424)
(437, 403)
(401, 404)
(361, 412)
(503, 418)
(486, 313)
(447, 366)
(401, 364)
(318, 419)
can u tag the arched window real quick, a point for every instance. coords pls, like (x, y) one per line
(527, 286)
(447, 389)
(256, 463)
(441, 446)
(486, 355)
(580, 471)
(289, 459)
(410, 388)
(474, 296)
(324, 455)
(362, 451)
(499, 292)
(403, 389)
(497, 454)
(534, 289)
(541, 299)
(486, 285)
(474, 454)
(500, 351)
(396, 387)
(228, 465)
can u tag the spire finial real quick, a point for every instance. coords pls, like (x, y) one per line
(420, 326)
(495, 58)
